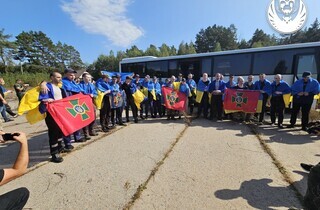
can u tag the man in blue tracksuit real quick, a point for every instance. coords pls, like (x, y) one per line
(303, 92)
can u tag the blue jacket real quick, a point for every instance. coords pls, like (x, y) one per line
(184, 88)
(88, 89)
(266, 88)
(192, 84)
(70, 87)
(157, 88)
(222, 86)
(283, 87)
(228, 85)
(312, 88)
(50, 94)
(203, 87)
(102, 85)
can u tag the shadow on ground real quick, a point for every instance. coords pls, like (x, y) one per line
(261, 195)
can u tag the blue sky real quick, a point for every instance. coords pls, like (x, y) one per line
(95, 27)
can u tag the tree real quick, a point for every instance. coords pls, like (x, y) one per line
(134, 51)
(173, 50)
(207, 39)
(217, 48)
(262, 38)
(182, 48)
(313, 32)
(152, 50)
(164, 50)
(243, 44)
(6, 49)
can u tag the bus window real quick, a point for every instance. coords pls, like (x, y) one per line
(138, 68)
(307, 63)
(232, 64)
(272, 63)
(159, 69)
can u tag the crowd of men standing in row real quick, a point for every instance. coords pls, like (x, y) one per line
(111, 109)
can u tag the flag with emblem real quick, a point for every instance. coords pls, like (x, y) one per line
(238, 100)
(72, 113)
(174, 99)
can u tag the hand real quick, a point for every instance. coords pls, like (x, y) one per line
(262, 91)
(43, 88)
(107, 91)
(268, 103)
(306, 94)
(91, 95)
(22, 138)
(278, 92)
(4, 101)
(301, 94)
(49, 100)
(1, 139)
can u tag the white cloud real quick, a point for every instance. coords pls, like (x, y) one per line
(105, 17)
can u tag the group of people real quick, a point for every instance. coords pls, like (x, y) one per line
(206, 95)
(302, 91)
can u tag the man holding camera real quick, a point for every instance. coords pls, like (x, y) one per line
(17, 198)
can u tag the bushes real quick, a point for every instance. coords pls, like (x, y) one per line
(33, 79)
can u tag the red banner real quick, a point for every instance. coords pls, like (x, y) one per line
(72, 113)
(174, 99)
(236, 100)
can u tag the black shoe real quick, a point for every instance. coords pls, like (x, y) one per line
(304, 129)
(153, 116)
(290, 126)
(142, 117)
(128, 120)
(306, 167)
(67, 148)
(56, 158)
(280, 127)
(105, 129)
(87, 137)
(122, 124)
(93, 133)
(81, 140)
(8, 120)
(135, 120)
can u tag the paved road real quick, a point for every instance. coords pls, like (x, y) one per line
(158, 164)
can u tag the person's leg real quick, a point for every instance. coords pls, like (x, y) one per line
(205, 105)
(294, 113)
(305, 110)
(4, 114)
(54, 134)
(212, 109)
(15, 199)
(273, 111)
(127, 110)
(264, 103)
(9, 111)
(280, 111)
(219, 107)
(113, 117)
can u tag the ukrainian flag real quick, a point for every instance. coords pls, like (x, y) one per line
(138, 97)
(30, 104)
(98, 99)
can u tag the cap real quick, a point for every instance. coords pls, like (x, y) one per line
(136, 75)
(118, 75)
(70, 70)
(306, 74)
(128, 77)
(105, 76)
(180, 75)
(114, 76)
(183, 80)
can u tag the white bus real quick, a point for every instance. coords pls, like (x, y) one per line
(289, 60)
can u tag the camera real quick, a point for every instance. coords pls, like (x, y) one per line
(9, 136)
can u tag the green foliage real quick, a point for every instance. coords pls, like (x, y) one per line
(33, 79)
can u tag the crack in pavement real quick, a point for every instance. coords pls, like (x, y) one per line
(143, 186)
(286, 176)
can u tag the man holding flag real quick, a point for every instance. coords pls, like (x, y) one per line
(129, 88)
(104, 87)
(116, 102)
(54, 132)
(203, 95)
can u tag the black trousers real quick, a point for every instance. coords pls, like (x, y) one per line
(149, 104)
(116, 113)
(15, 199)
(305, 109)
(55, 135)
(264, 103)
(216, 107)
(105, 112)
(157, 106)
(277, 108)
(204, 105)
(134, 109)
